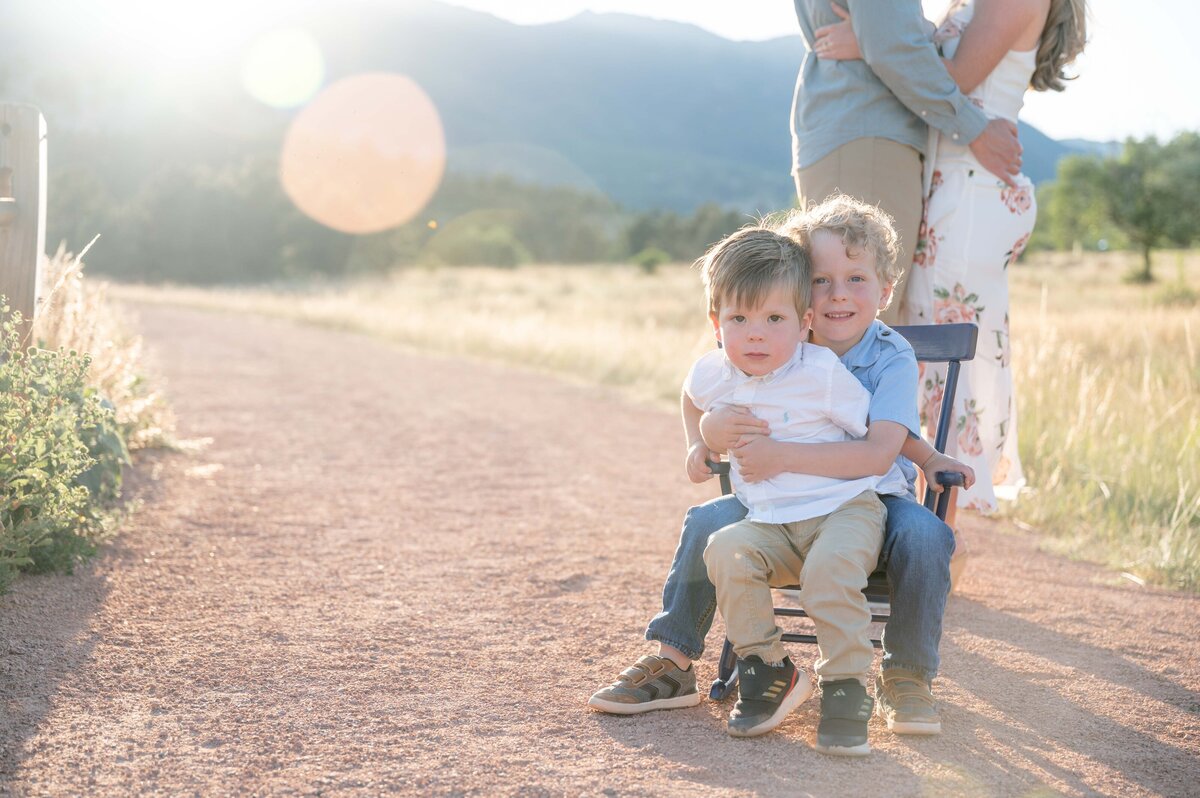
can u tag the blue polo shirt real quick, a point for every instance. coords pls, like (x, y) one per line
(886, 366)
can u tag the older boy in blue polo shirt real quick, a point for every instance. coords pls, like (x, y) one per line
(853, 249)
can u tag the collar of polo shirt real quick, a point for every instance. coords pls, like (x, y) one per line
(866, 351)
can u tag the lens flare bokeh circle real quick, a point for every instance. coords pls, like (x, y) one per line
(284, 68)
(365, 155)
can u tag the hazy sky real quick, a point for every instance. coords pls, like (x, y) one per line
(1140, 75)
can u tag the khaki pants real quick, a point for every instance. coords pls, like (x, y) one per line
(830, 557)
(879, 171)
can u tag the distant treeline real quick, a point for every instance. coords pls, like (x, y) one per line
(233, 224)
(1146, 197)
(200, 224)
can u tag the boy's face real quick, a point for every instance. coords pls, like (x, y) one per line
(760, 340)
(846, 293)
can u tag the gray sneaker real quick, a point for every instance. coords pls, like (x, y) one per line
(904, 700)
(650, 683)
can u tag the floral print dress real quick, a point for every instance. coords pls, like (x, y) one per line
(975, 227)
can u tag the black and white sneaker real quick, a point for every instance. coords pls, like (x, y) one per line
(845, 710)
(766, 694)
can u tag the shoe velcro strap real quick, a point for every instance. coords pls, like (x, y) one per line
(899, 689)
(646, 668)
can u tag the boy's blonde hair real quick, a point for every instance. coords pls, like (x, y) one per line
(745, 266)
(859, 226)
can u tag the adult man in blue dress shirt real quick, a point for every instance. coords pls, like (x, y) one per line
(860, 126)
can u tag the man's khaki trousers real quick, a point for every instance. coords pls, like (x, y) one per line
(881, 172)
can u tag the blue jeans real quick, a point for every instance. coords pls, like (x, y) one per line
(916, 554)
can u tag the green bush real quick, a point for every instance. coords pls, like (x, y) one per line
(650, 258)
(476, 242)
(60, 457)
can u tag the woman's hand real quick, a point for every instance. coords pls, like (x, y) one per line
(721, 429)
(697, 467)
(837, 42)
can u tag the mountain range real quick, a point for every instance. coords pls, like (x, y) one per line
(654, 114)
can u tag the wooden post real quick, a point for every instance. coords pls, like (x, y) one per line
(22, 207)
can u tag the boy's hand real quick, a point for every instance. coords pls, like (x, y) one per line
(944, 462)
(722, 428)
(758, 457)
(697, 469)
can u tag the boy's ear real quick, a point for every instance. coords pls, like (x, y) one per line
(806, 323)
(886, 297)
(715, 323)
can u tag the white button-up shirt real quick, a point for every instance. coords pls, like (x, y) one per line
(812, 398)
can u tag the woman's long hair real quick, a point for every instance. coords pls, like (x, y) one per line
(1062, 40)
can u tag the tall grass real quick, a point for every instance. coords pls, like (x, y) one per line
(1107, 374)
(608, 324)
(1108, 388)
(76, 314)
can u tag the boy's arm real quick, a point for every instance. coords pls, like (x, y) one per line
(763, 458)
(697, 452)
(848, 403)
(723, 428)
(931, 461)
(893, 414)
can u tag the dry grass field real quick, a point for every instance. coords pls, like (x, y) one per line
(1108, 373)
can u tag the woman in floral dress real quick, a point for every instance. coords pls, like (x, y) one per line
(976, 225)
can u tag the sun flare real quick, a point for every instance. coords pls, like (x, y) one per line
(366, 154)
(284, 68)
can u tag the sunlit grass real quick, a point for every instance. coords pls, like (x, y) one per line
(1107, 373)
(1109, 402)
(76, 314)
(609, 324)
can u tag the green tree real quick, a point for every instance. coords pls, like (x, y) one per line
(1147, 198)
(1072, 208)
(1137, 195)
(1182, 164)
(1149, 195)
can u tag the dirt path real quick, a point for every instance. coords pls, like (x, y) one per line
(397, 573)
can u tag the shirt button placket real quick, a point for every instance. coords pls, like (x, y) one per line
(744, 395)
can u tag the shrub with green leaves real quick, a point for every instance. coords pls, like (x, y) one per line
(650, 258)
(60, 456)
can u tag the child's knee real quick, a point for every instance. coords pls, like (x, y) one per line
(835, 571)
(920, 535)
(932, 540)
(727, 545)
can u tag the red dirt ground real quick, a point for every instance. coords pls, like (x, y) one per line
(397, 573)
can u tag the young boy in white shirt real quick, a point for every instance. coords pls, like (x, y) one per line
(822, 533)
